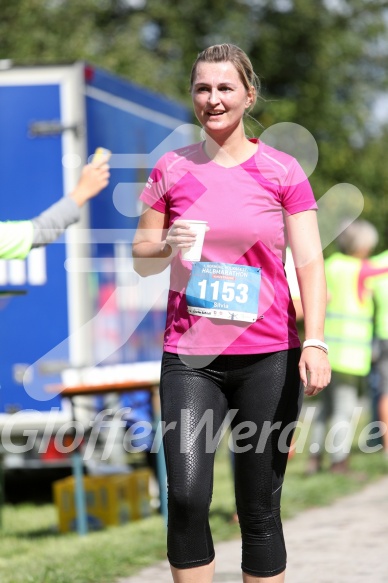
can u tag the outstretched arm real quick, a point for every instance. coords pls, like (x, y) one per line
(49, 225)
(18, 237)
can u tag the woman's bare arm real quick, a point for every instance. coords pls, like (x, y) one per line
(306, 248)
(155, 245)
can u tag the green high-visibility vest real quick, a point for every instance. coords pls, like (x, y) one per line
(15, 239)
(380, 294)
(349, 318)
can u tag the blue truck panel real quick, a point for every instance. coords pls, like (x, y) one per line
(136, 123)
(31, 180)
(126, 119)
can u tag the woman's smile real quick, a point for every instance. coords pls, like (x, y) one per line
(219, 96)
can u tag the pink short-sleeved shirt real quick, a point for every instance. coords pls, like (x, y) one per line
(244, 206)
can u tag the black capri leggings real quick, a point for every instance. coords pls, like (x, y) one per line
(262, 392)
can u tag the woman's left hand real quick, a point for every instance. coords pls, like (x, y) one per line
(314, 370)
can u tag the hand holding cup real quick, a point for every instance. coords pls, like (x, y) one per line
(188, 236)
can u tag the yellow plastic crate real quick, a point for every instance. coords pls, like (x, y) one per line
(110, 500)
(138, 493)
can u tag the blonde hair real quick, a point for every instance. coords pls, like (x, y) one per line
(228, 52)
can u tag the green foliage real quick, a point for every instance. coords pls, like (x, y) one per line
(322, 64)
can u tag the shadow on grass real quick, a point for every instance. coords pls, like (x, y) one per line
(37, 534)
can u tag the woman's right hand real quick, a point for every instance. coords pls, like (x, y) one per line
(180, 236)
(156, 243)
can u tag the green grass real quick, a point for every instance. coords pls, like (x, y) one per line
(31, 550)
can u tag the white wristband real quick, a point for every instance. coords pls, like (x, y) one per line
(316, 344)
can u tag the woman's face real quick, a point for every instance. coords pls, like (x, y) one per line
(219, 97)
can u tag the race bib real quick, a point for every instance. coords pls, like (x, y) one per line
(224, 290)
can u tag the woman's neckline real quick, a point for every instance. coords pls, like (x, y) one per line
(236, 165)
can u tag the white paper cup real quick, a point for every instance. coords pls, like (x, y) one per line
(194, 252)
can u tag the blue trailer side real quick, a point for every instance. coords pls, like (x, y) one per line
(50, 119)
(149, 124)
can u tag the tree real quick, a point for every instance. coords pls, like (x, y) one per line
(322, 63)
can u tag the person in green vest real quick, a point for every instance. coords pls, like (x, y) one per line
(380, 294)
(349, 333)
(17, 238)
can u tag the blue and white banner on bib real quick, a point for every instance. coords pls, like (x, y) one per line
(224, 290)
